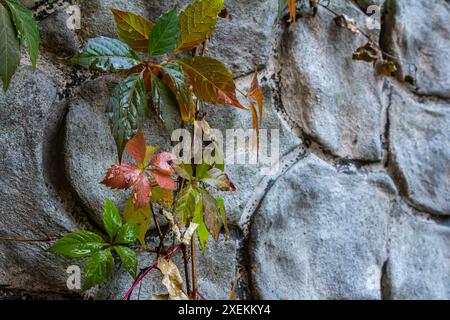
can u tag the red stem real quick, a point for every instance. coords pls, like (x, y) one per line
(143, 275)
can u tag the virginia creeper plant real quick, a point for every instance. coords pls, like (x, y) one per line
(174, 85)
(17, 29)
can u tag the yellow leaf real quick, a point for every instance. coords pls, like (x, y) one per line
(163, 197)
(172, 279)
(198, 22)
(386, 68)
(211, 80)
(141, 216)
(133, 29)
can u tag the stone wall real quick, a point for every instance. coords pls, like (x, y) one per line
(360, 208)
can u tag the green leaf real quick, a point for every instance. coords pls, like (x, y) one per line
(184, 170)
(9, 48)
(162, 196)
(107, 55)
(133, 29)
(198, 22)
(142, 217)
(202, 231)
(219, 180)
(98, 269)
(111, 219)
(78, 244)
(164, 35)
(211, 214)
(128, 108)
(129, 260)
(185, 205)
(127, 234)
(27, 29)
(176, 80)
(201, 171)
(211, 80)
(221, 204)
(165, 104)
(282, 4)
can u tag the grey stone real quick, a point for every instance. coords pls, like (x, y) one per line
(56, 37)
(29, 209)
(321, 234)
(420, 149)
(247, 176)
(418, 265)
(417, 32)
(216, 271)
(335, 100)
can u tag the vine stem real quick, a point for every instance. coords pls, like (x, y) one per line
(194, 268)
(147, 271)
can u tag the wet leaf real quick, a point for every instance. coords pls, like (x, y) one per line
(165, 104)
(141, 216)
(107, 55)
(141, 191)
(121, 176)
(129, 260)
(164, 34)
(27, 29)
(78, 244)
(211, 80)
(9, 48)
(111, 219)
(172, 279)
(163, 171)
(198, 22)
(219, 180)
(98, 268)
(128, 108)
(133, 29)
(136, 147)
(127, 234)
(175, 78)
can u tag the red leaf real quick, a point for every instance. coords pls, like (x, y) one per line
(136, 147)
(121, 176)
(163, 180)
(162, 161)
(142, 191)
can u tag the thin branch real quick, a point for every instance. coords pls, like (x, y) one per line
(194, 268)
(12, 239)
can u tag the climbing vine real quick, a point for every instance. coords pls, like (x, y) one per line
(174, 87)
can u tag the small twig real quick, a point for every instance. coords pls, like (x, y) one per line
(186, 269)
(194, 268)
(12, 239)
(156, 223)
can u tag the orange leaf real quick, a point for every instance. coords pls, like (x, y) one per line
(292, 11)
(256, 92)
(121, 176)
(163, 180)
(141, 191)
(162, 161)
(136, 147)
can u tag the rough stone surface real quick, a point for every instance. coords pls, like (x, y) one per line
(418, 265)
(328, 228)
(57, 37)
(321, 234)
(418, 33)
(29, 208)
(420, 148)
(332, 98)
